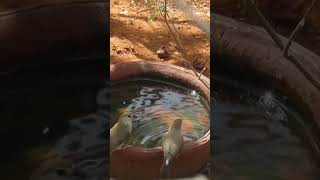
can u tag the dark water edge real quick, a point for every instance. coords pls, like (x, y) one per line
(258, 134)
(39, 107)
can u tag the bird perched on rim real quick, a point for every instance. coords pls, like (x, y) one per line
(172, 143)
(120, 131)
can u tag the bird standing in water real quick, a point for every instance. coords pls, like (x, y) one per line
(172, 143)
(120, 131)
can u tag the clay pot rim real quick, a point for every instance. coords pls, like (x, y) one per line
(300, 84)
(141, 65)
(42, 5)
(187, 146)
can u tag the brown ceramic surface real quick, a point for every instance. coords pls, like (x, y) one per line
(49, 28)
(250, 51)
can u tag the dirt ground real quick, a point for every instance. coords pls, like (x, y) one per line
(282, 15)
(134, 38)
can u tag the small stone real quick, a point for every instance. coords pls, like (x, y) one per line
(129, 49)
(46, 130)
(124, 12)
(162, 53)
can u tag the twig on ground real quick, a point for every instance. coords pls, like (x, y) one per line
(266, 25)
(178, 41)
(204, 68)
(144, 10)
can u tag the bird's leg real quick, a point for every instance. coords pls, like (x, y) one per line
(123, 146)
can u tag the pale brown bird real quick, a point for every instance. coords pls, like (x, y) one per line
(172, 143)
(120, 131)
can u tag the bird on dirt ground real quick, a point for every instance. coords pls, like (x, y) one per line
(163, 53)
(172, 143)
(120, 131)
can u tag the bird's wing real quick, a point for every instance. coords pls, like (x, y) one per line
(114, 138)
(180, 148)
(170, 147)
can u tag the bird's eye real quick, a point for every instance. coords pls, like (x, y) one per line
(129, 115)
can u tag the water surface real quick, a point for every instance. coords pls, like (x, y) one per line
(52, 126)
(257, 135)
(153, 104)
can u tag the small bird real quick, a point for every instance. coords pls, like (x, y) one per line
(172, 143)
(163, 53)
(120, 131)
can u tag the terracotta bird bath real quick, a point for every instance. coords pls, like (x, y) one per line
(144, 163)
(47, 34)
(47, 49)
(247, 51)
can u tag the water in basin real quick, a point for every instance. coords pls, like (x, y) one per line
(154, 104)
(52, 126)
(258, 135)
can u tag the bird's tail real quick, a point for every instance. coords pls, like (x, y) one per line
(164, 168)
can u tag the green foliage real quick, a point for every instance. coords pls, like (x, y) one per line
(156, 8)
